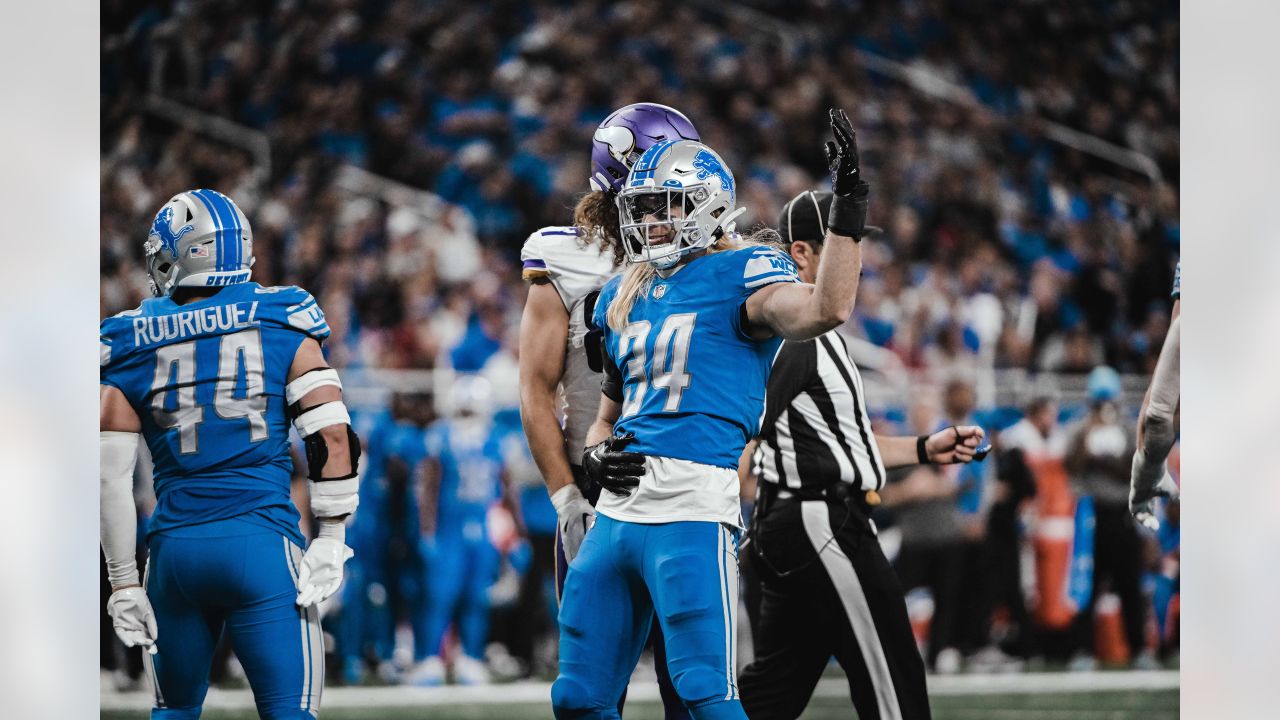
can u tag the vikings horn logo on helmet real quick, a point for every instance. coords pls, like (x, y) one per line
(620, 141)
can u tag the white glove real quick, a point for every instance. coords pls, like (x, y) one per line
(1146, 483)
(132, 618)
(321, 571)
(575, 516)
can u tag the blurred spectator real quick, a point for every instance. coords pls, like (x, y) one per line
(973, 501)
(1098, 461)
(1014, 485)
(1002, 249)
(923, 500)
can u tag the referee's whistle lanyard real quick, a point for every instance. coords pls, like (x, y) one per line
(765, 499)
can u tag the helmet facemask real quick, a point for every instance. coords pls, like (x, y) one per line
(688, 216)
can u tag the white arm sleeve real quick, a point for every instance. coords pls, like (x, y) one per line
(119, 517)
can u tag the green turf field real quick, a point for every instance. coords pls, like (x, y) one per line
(1109, 705)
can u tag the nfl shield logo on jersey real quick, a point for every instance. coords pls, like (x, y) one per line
(659, 291)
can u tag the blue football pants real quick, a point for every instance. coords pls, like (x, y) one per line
(459, 573)
(672, 707)
(246, 583)
(367, 611)
(685, 574)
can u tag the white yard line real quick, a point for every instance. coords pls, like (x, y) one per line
(537, 692)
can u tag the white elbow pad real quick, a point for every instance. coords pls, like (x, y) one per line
(335, 498)
(322, 416)
(308, 381)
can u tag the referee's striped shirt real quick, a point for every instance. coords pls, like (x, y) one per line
(816, 431)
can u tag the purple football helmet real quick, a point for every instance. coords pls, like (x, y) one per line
(624, 136)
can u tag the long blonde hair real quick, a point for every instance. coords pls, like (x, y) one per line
(637, 278)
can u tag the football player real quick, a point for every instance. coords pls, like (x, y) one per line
(462, 475)
(566, 267)
(1149, 477)
(209, 373)
(690, 330)
(384, 536)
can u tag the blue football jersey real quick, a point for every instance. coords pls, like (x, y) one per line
(470, 457)
(373, 428)
(694, 381)
(207, 380)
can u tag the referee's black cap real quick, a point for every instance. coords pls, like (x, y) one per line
(804, 217)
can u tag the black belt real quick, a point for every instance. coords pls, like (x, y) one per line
(769, 493)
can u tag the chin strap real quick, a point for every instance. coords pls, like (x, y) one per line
(727, 224)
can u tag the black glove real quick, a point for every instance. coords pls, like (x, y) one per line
(848, 215)
(613, 468)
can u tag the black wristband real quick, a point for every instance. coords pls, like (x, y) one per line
(922, 454)
(848, 214)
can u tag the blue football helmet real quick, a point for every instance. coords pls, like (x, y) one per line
(470, 396)
(685, 186)
(198, 239)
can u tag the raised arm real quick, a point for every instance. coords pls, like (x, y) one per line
(798, 312)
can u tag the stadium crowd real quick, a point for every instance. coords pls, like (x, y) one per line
(1002, 249)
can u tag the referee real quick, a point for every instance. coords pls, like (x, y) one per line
(824, 585)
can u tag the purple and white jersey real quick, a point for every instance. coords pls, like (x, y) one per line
(576, 269)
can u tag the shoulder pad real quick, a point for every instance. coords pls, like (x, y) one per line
(765, 265)
(113, 335)
(533, 254)
(292, 307)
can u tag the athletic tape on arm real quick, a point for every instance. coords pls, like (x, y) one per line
(322, 416)
(335, 498)
(308, 381)
(329, 497)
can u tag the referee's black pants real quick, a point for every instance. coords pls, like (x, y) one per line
(826, 589)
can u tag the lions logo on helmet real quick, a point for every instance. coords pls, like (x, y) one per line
(708, 164)
(682, 185)
(162, 231)
(212, 247)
